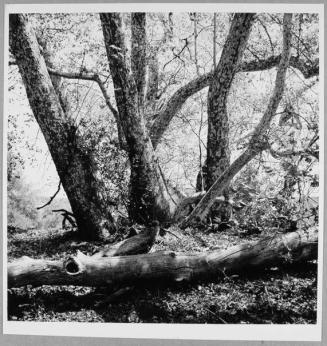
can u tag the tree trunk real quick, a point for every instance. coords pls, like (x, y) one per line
(148, 199)
(73, 163)
(258, 141)
(164, 266)
(138, 58)
(218, 153)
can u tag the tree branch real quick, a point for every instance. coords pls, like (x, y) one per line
(63, 211)
(87, 76)
(257, 142)
(94, 77)
(287, 153)
(174, 105)
(178, 99)
(51, 198)
(308, 70)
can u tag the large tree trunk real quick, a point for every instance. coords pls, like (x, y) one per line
(73, 163)
(148, 198)
(218, 153)
(138, 55)
(166, 266)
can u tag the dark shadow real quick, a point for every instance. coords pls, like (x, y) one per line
(218, 302)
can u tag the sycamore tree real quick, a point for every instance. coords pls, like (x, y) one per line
(146, 81)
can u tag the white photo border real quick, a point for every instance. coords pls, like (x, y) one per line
(168, 331)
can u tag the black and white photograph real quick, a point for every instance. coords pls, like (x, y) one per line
(163, 168)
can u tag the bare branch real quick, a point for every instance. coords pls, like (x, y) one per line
(72, 75)
(308, 70)
(94, 77)
(308, 151)
(51, 198)
(177, 100)
(179, 54)
(288, 153)
(64, 211)
(267, 33)
(174, 105)
(87, 76)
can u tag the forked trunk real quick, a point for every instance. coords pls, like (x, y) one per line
(148, 199)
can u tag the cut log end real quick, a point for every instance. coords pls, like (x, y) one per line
(74, 265)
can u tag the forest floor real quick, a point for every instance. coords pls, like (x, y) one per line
(275, 295)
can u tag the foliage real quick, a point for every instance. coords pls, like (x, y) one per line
(15, 161)
(110, 161)
(22, 203)
(75, 43)
(264, 199)
(21, 211)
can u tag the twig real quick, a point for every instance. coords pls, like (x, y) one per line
(63, 211)
(172, 233)
(268, 35)
(178, 55)
(67, 216)
(51, 198)
(221, 319)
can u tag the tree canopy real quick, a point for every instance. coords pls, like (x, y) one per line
(163, 102)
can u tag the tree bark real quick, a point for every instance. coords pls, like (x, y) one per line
(138, 244)
(164, 266)
(138, 55)
(95, 78)
(148, 198)
(176, 101)
(257, 143)
(73, 163)
(218, 153)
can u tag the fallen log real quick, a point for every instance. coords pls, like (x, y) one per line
(168, 266)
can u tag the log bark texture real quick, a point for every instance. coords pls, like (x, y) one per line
(166, 266)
